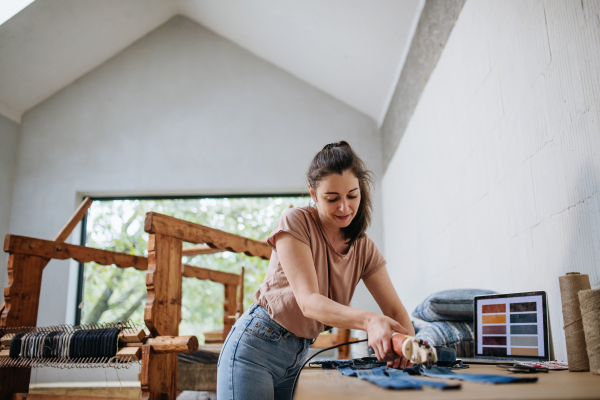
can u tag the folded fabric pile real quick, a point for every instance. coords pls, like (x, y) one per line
(446, 319)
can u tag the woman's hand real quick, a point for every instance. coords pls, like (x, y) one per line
(400, 363)
(380, 330)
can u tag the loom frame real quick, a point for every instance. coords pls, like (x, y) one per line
(164, 273)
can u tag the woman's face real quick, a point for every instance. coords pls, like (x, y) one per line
(337, 198)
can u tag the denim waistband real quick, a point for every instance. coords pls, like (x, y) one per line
(259, 311)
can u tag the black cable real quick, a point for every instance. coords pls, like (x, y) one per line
(316, 354)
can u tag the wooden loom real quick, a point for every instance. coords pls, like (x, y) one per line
(162, 312)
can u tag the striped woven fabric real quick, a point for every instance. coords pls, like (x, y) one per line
(456, 335)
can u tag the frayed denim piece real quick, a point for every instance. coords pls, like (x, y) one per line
(393, 379)
(445, 373)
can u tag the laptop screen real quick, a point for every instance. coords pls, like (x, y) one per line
(513, 325)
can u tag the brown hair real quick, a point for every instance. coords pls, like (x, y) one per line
(335, 158)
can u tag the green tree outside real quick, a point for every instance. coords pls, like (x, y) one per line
(114, 294)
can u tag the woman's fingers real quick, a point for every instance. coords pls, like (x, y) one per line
(403, 363)
(399, 363)
(388, 351)
(376, 348)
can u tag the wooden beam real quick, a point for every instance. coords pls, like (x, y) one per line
(226, 278)
(201, 249)
(52, 250)
(174, 344)
(30, 396)
(194, 233)
(74, 220)
(61, 251)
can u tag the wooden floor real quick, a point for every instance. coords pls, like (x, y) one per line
(315, 384)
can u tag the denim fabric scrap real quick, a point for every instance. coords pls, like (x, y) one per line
(445, 373)
(358, 363)
(393, 378)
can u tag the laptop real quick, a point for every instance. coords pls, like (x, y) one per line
(510, 327)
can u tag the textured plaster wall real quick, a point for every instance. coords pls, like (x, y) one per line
(182, 111)
(496, 182)
(9, 132)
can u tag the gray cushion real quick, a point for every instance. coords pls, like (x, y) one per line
(449, 305)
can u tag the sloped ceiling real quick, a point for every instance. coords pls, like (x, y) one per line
(350, 49)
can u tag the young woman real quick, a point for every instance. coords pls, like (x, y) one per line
(319, 255)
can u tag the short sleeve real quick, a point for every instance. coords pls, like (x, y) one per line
(374, 261)
(292, 221)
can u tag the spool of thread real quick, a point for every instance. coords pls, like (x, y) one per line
(590, 314)
(570, 285)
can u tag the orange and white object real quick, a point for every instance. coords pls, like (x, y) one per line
(416, 350)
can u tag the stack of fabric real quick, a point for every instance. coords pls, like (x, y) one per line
(446, 319)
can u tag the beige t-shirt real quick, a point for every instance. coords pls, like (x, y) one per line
(344, 271)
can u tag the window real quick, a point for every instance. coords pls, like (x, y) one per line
(109, 293)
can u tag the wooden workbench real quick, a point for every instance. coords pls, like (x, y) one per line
(316, 384)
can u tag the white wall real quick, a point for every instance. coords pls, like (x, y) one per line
(496, 181)
(9, 132)
(182, 111)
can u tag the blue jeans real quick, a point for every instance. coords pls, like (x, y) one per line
(259, 359)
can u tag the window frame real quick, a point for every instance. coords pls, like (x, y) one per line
(83, 236)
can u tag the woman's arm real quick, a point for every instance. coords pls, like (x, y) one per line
(381, 288)
(384, 293)
(297, 263)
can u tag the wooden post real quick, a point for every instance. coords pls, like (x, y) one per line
(239, 308)
(159, 375)
(343, 337)
(229, 309)
(162, 314)
(22, 299)
(163, 280)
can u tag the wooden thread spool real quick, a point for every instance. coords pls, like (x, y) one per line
(590, 313)
(570, 285)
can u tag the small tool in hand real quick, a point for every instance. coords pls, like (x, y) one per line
(417, 351)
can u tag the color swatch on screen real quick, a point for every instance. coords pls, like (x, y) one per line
(510, 326)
